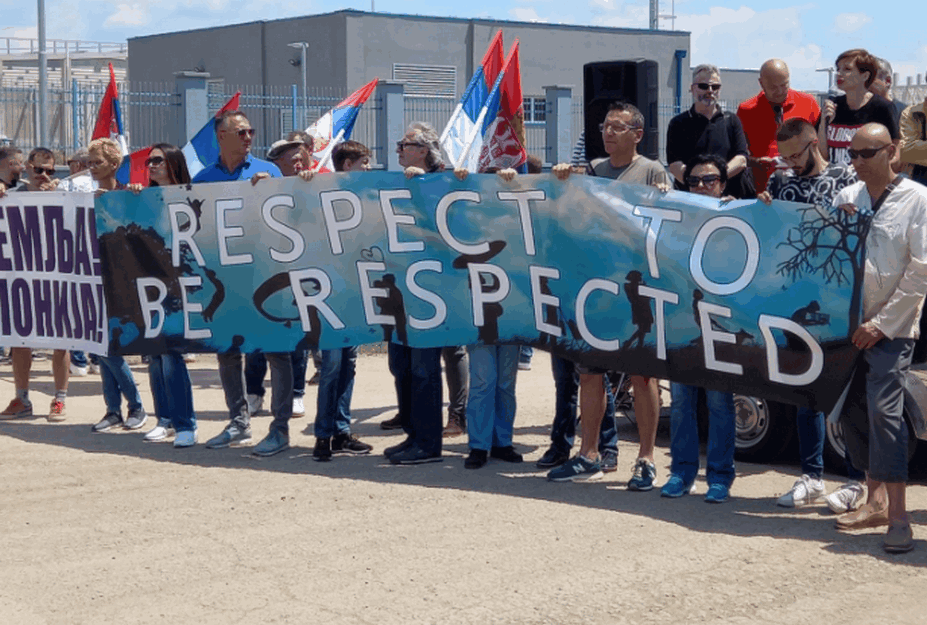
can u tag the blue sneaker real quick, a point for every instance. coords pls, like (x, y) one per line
(717, 493)
(676, 487)
(273, 443)
(644, 474)
(576, 469)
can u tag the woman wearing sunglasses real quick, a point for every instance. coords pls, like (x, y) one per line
(706, 129)
(167, 372)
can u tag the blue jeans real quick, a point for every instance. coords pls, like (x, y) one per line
(118, 381)
(810, 425)
(563, 430)
(419, 391)
(300, 363)
(172, 391)
(281, 380)
(78, 358)
(525, 354)
(336, 384)
(491, 401)
(684, 445)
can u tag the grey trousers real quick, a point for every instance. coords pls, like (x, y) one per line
(874, 427)
(231, 373)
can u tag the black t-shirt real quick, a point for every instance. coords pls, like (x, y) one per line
(846, 122)
(690, 134)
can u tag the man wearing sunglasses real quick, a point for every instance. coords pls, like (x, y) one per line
(706, 129)
(894, 285)
(763, 114)
(810, 179)
(235, 134)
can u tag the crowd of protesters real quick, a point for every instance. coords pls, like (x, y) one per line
(861, 152)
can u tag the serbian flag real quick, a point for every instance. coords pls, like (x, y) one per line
(504, 142)
(462, 138)
(109, 117)
(337, 125)
(133, 168)
(203, 149)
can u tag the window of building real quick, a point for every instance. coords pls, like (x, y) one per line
(535, 109)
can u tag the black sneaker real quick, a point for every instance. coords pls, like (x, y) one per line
(414, 455)
(323, 450)
(392, 424)
(553, 457)
(349, 444)
(109, 421)
(477, 458)
(506, 454)
(395, 449)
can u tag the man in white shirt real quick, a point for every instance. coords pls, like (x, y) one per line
(894, 285)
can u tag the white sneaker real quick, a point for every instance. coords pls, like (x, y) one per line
(806, 491)
(94, 368)
(847, 498)
(189, 357)
(299, 410)
(78, 372)
(255, 403)
(185, 439)
(159, 433)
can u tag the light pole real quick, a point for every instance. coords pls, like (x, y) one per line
(303, 46)
(43, 76)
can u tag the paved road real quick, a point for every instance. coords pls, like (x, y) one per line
(103, 528)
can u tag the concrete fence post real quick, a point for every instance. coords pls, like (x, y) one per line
(559, 123)
(391, 123)
(194, 104)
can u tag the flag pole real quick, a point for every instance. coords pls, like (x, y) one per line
(327, 154)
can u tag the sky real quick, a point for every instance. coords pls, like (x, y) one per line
(738, 34)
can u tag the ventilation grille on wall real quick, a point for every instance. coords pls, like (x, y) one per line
(427, 81)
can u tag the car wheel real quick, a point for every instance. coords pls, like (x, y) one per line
(764, 428)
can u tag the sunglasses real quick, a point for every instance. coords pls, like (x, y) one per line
(95, 163)
(402, 145)
(866, 153)
(704, 86)
(709, 180)
(48, 171)
(244, 132)
(154, 161)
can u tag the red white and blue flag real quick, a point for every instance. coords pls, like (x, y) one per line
(109, 117)
(337, 125)
(203, 149)
(462, 138)
(503, 142)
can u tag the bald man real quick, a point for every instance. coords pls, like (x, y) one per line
(762, 115)
(894, 285)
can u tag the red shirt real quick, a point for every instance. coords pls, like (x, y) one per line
(759, 121)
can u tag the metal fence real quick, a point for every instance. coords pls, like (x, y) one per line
(152, 113)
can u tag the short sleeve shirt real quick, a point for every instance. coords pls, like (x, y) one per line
(248, 167)
(819, 190)
(641, 170)
(846, 122)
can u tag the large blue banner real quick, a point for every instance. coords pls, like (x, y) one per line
(735, 296)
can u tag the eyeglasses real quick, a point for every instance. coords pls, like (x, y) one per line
(704, 86)
(154, 161)
(48, 171)
(614, 129)
(797, 155)
(866, 153)
(402, 145)
(708, 181)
